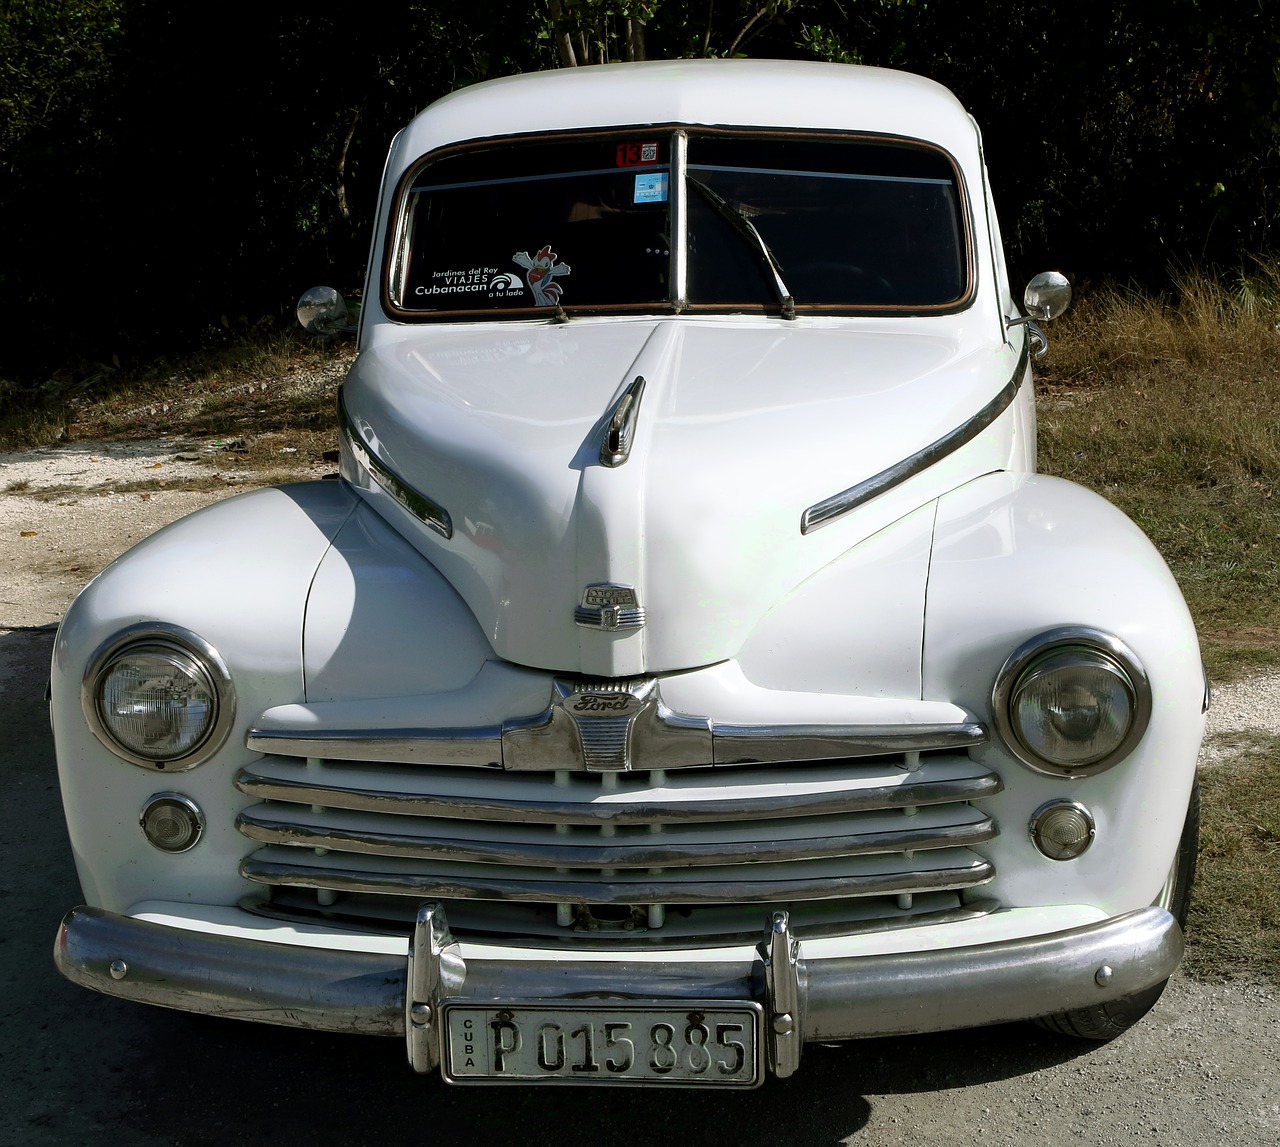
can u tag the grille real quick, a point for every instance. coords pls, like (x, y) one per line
(696, 851)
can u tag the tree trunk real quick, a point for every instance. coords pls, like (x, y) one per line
(341, 189)
(635, 39)
(563, 40)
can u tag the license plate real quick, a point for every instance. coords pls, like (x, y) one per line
(633, 1042)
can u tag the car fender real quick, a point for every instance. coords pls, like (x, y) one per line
(1018, 555)
(236, 575)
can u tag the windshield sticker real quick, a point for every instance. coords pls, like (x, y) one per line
(542, 269)
(460, 282)
(635, 154)
(505, 286)
(651, 187)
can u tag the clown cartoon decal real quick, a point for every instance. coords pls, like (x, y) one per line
(542, 269)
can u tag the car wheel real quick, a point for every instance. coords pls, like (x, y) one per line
(1103, 1022)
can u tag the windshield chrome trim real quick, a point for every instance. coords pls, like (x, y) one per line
(829, 509)
(426, 510)
(679, 221)
(677, 300)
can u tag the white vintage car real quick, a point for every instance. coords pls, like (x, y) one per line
(690, 663)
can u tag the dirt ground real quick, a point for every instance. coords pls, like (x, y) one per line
(1203, 1068)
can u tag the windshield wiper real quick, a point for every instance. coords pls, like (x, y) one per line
(744, 227)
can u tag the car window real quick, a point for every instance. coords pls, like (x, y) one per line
(577, 223)
(848, 223)
(587, 224)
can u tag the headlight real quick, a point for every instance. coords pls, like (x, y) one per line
(1072, 702)
(159, 696)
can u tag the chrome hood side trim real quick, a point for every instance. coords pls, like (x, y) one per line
(829, 509)
(364, 454)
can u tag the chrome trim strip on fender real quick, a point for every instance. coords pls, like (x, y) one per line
(425, 509)
(821, 513)
(842, 997)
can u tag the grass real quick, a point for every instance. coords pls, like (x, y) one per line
(1234, 924)
(263, 391)
(1171, 409)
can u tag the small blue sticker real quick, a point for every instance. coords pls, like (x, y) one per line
(651, 187)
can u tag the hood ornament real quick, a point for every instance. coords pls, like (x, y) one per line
(621, 429)
(609, 607)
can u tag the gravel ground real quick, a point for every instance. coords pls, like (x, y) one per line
(62, 519)
(1201, 1069)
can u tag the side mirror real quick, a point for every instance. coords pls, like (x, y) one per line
(1046, 297)
(323, 311)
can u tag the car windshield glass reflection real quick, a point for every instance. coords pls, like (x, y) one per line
(582, 223)
(849, 224)
(771, 223)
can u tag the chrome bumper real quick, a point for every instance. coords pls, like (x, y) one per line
(805, 999)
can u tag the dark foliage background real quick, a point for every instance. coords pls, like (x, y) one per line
(171, 173)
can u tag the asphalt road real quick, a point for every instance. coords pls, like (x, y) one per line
(80, 1068)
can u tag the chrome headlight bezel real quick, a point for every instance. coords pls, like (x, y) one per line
(1093, 647)
(185, 647)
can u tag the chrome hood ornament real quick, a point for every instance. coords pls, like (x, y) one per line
(621, 429)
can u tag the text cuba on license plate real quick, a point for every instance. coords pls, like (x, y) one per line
(659, 1042)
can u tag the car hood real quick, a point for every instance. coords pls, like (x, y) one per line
(741, 426)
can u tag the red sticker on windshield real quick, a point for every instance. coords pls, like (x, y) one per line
(637, 154)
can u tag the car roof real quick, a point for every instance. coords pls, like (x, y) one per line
(753, 93)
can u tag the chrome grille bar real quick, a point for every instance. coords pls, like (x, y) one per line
(440, 840)
(739, 794)
(757, 884)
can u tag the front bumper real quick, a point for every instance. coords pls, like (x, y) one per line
(805, 999)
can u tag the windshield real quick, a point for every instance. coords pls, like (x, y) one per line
(769, 223)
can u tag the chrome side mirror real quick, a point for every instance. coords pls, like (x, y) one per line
(1046, 297)
(323, 311)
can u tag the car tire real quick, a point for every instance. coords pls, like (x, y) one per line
(1102, 1022)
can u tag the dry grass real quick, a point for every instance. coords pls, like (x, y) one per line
(1171, 408)
(266, 392)
(1234, 926)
